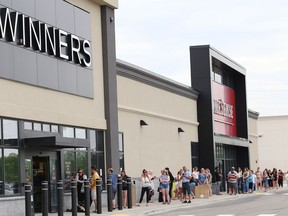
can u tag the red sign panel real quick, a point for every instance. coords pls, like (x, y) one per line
(224, 110)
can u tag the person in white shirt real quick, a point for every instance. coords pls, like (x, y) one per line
(286, 177)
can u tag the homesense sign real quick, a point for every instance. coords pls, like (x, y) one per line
(25, 31)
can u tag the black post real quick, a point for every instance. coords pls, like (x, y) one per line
(119, 193)
(109, 194)
(73, 187)
(44, 198)
(28, 200)
(60, 197)
(129, 192)
(87, 197)
(98, 191)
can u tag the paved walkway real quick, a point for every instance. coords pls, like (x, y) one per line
(157, 207)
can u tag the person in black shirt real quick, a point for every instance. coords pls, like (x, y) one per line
(218, 178)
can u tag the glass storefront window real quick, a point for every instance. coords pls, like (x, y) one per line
(37, 126)
(68, 132)
(46, 127)
(80, 133)
(28, 125)
(1, 174)
(69, 168)
(93, 140)
(11, 173)
(10, 132)
(54, 128)
(81, 161)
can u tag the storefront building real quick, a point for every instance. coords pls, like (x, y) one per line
(57, 75)
(67, 103)
(222, 110)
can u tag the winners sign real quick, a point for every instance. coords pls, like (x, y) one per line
(25, 31)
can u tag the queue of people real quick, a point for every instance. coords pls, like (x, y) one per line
(248, 181)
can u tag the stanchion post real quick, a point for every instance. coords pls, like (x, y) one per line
(109, 194)
(73, 187)
(99, 199)
(60, 197)
(44, 198)
(87, 197)
(119, 193)
(28, 200)
(129, 192)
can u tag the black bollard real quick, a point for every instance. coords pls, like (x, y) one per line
(129, 192)
(73, 187)
(98, 191)
(60, 197)
(109, 194)
(87, 197)
(119, 193)
(44, 198)
(28, 200)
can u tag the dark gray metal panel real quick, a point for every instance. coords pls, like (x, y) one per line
(25, 69)
(47, 72)
(85, 82)
(110, 87)
(26, 7)
(6, 56)
(67, 77)
(82, 24)
(45, 11)
(7, 3)
(65, 16)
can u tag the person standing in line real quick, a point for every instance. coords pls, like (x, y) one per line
(245, 180)
(146, 186)
(202, 178)
(164, 184)
(113, 178)
(195, 175)
(170, 183)
(280, 178)
(265, 177)
(218, 179)
(259, 179)
(80, 178)
(209, 180)
(124, 188)
(186, 176)
(178, 191)
(92, 184)
(240, 180)
(232, 180)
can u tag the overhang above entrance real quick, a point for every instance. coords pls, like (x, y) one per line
(55, 142)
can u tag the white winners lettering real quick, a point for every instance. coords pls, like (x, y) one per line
(223, 109)
(25, 31)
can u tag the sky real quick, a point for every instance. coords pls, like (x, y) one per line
(156, 35)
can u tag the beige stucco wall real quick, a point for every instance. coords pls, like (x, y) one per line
(273, 142)
(158, 144)
(24, 101)
(253, 147)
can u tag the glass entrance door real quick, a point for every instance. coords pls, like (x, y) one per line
(39, 169)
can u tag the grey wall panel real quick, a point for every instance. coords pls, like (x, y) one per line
(84, 82)
(7, 3)
(6, 61)
(82, 24)
(65, 16)
(26, 7)
(46, 11)
(67, 77)
(47, 72)
(24, 66)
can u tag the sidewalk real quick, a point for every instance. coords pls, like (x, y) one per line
(157, 207)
